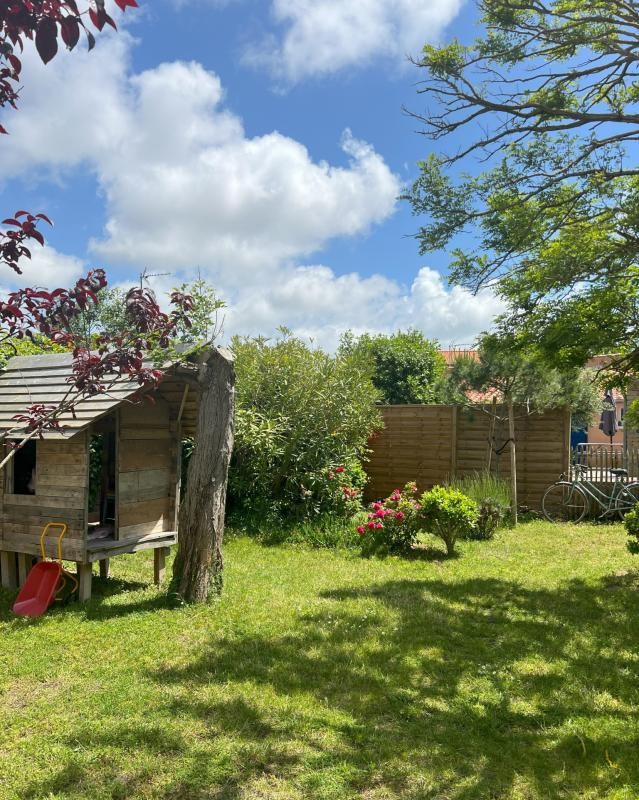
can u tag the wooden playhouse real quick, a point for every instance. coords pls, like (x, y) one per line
(112, 475)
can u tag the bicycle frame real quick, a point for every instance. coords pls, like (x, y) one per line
(607, 502)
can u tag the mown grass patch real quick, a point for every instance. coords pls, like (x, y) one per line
(510, 672)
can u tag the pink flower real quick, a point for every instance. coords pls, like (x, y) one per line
(361, 529)
(339, 469)
(378, 525)
(399, 515)
(370, 524)
(377, 506)
(380, 514)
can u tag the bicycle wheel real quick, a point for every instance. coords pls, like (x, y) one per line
(564, 502)
(627, 498)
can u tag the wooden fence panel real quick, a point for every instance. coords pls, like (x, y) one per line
(415, 445)
(432, 444)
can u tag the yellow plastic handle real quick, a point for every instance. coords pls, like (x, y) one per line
(62, 525)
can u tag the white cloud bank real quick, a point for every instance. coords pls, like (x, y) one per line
(186, 188)
(320, 37)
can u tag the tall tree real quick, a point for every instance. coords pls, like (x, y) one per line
(407, 367)
(546, 106)
(516, 379)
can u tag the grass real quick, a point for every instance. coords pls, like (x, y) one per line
(511, 672)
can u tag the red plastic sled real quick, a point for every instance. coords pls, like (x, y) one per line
(39, 589)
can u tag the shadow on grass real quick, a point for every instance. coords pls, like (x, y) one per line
(414, 688)
(102, 589)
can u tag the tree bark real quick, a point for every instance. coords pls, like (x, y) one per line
(197, 569)
(513, 461)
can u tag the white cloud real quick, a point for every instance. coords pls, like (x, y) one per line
(320, 37)
(316, 303)
(47, 268)
(183, 184)
(185, 188)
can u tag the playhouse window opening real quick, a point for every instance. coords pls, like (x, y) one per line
(102, 477)
(24, 469)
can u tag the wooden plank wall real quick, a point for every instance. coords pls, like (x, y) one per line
(431, 444)
(414, 445)
(62, 480)
(144, 469)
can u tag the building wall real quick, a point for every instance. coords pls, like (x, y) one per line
(62, 480)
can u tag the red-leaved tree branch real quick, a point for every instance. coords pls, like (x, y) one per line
(48, 23)
(104, 360)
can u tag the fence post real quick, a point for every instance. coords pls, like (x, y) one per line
(567, 450)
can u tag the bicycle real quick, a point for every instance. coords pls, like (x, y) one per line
(568, 500)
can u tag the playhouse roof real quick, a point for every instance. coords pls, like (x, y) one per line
(27, 380)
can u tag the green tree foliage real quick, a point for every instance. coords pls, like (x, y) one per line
(408, 368)
(547, 101)
(110, 314)
(301, 413)
(37, 346)
(521, 378)
(525, 379)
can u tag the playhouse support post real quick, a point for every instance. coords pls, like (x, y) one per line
(85, 573)
(104, 567)
(8, 571)
(24, 565)
(159, 564)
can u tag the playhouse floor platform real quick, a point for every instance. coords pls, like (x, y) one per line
(106, 548)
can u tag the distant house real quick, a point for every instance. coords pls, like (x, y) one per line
(594, 434)
(450, 356)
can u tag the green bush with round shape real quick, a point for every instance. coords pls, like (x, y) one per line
(631, 522)
(448, 514)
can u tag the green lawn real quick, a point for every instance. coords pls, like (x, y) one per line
(510, 672)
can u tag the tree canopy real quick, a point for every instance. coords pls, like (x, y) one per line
(407, 367)
(502, 368)
(540, 200)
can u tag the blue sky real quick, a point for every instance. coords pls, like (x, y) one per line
(261, 142)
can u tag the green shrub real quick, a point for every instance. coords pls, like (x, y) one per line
(631, 521)
(303, 422)
(448, 514)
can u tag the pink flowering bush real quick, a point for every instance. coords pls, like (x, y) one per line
(392, 524)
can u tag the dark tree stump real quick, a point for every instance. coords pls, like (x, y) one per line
(197, 569)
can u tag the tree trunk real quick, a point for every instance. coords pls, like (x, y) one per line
(513, 461)
(197, 568)
(491, 434)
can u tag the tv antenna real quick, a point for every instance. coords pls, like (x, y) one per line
(144, 276)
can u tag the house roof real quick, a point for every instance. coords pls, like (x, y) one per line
(28, 380)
